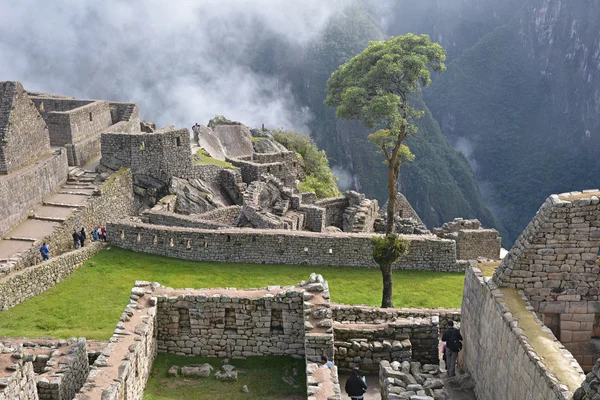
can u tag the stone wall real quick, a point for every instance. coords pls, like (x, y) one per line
(472, 241)
(21, 191)
(224, 215)
(231, 323)
(112, 201)
(404, 339)
(554, 262)
(76, 124)
(284, 166)
(20, 384)
(497, 350)
(278, 247)
(376, 315)
(334, 210)
(16, 288)
(152, 157)
(122, 371)
(23, 133)
(590, 389)
(81, 153)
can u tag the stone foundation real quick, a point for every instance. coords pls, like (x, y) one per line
(472, 241)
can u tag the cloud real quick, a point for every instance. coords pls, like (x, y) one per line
(464, 146)
(181, 61)
(346, 181)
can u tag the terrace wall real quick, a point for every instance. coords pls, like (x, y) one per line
(16, 288)
(20, 385)
(278, 247)
(21, 191)
(497, 352)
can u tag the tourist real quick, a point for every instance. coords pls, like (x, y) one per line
(82, 236)
(95, 234)
(102, 232)
(325, 361)
(45, 252)
(76, 240)
(453, 340)
(356, 387)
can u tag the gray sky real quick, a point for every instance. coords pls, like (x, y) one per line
(181, 61)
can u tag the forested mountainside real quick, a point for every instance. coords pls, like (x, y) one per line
(524, 103)
(439, 183)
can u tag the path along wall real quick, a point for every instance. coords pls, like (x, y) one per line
(498, 354)
(112, 201)
(278, 247)
(22, 190)
(18, 287)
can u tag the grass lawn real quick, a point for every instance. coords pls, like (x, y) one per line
(89, 302)
(262, 375)
(201, 158)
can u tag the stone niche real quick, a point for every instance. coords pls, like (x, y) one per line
(554, 263)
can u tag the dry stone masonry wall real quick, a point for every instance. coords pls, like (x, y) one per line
(231, 323)
(497, 350)
(472, 241)
(18, 384)
(278, 247)
(16, 288)
(21, 191)
(554, 263)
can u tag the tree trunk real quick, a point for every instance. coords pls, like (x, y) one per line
(390, 224)
(386, 299)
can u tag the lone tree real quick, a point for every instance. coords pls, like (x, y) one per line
(374, 88)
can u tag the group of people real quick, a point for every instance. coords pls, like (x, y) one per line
(356, 386)
(79, 238)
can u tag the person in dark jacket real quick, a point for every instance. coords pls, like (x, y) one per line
(453, 340)
(76, 240)
(82, 236)
(356, 386)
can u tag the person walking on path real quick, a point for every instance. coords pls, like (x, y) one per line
(103, 231)
(95, 235)
(356, 387)
(45, 252)
(453, 340)
(76, 240)
(82, 236)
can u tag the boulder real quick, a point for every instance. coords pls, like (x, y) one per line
(173, 371)
(235, 139)
(226, 376)
(196, 370)
(267, 146)
(206, 139)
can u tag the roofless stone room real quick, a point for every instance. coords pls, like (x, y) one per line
(361, 199)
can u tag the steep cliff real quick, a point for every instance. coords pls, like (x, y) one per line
(523, 104)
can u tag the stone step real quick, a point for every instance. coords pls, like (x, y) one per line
(77, 192)
(51, 203)
(51, 219)
(22, 239)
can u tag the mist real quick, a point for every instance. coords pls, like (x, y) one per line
(182, 62)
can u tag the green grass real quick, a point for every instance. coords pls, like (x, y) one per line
(89, 302)
(202, 158)
(262, 375)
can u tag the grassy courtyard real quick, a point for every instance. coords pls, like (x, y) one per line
(262, 375)
(89, 302)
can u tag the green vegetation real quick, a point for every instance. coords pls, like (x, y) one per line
(89, 302)
(113, 177)
(262, 375)
(386, 251)
(319, 178)
(202, 158)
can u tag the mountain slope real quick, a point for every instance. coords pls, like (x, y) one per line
(524, 101)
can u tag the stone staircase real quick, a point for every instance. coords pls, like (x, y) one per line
(126, 116)
(81, 183)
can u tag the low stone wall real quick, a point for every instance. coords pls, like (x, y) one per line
(230, 323)
(111, 202)
(590, 389)
(334, 210)
(20, 384)
(67, 375)
(122, 371)
(22, 190)
(497, 352)
(225, 215)
(375, 315)
(82, 152)
(365, 345)
(18, 287)
(278, 247)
